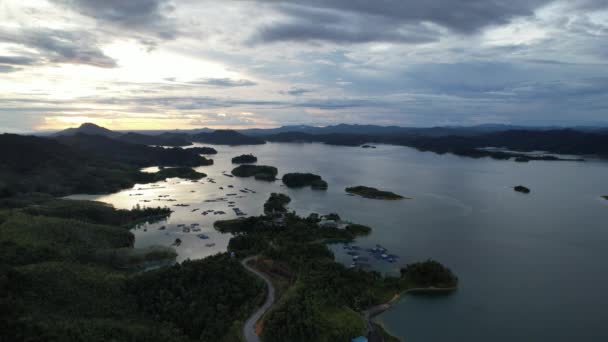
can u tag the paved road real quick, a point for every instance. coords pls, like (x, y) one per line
(249, 327)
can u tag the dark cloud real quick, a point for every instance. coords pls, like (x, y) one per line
(223, 82)
(295, 91)
(7, 68)
(56, 46)
(408, 21)
(17, 60)
(142, 16)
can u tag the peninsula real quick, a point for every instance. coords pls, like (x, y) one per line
(319, 299)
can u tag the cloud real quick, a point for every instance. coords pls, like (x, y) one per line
(17, 60)
(58, 46)
(7, 68)
(295, 91)
(143, 16)
(404, 21)
(223, 82)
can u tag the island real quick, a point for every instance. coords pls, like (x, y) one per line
(605, 197)
(244, 159)
(368, 146)
(276, 203)
(522, 189)
(373, 193)
(177, 172)
(203, 150)
(259, 172)
(300, 180)
(317, 298)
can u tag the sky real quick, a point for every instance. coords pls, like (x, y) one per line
(165, 64)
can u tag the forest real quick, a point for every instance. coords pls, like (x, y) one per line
(84, 164)
(68, 272)
(321, 300)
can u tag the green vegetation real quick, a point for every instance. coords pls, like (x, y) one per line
(260, 172)
(244, 159)
(81, 164)
(66, 274)
(319, 298)
(358, 229)
(178, 172)
(276, 203)
(300, 180)
(203, 150)
(373, 193)
(429, 273)
(522, 189)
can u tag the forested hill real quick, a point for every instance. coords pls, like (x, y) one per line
(115, 150)
(227, 137)
(562, 141)
(81, 164)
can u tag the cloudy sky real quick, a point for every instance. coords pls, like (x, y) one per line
(148, 64)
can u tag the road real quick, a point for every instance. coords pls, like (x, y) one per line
(249, 327)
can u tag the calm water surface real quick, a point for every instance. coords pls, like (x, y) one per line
(532, 267)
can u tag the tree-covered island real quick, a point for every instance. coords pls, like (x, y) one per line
(244, 159)
(300, 180)
(373, 193)
(259, 172)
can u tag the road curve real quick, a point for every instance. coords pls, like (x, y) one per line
(249, 327)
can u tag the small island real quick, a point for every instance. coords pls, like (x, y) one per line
(244, 159)
(259, 172)
(203, 150)
(368, 146)
(429, 275)
(605, 197)
(300, 180)
(373, 193)
(177, 172)
(522, 189)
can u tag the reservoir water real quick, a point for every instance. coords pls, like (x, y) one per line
(531, 267)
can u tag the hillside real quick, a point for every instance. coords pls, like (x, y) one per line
(80, 164)
(227, 137)
(89, 129)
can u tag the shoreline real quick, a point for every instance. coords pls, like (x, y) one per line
(374, 311)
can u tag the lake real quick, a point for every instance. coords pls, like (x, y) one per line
(531, 267)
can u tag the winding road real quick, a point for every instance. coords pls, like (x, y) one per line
(249, 327)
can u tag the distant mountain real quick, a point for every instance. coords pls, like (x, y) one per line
(227, 137)
(164, 139)
(89, 129)
(383, 130)
(558, 141)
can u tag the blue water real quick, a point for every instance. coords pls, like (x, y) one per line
(531, 267)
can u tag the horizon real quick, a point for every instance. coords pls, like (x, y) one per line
(598, 126)
(152, 64)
